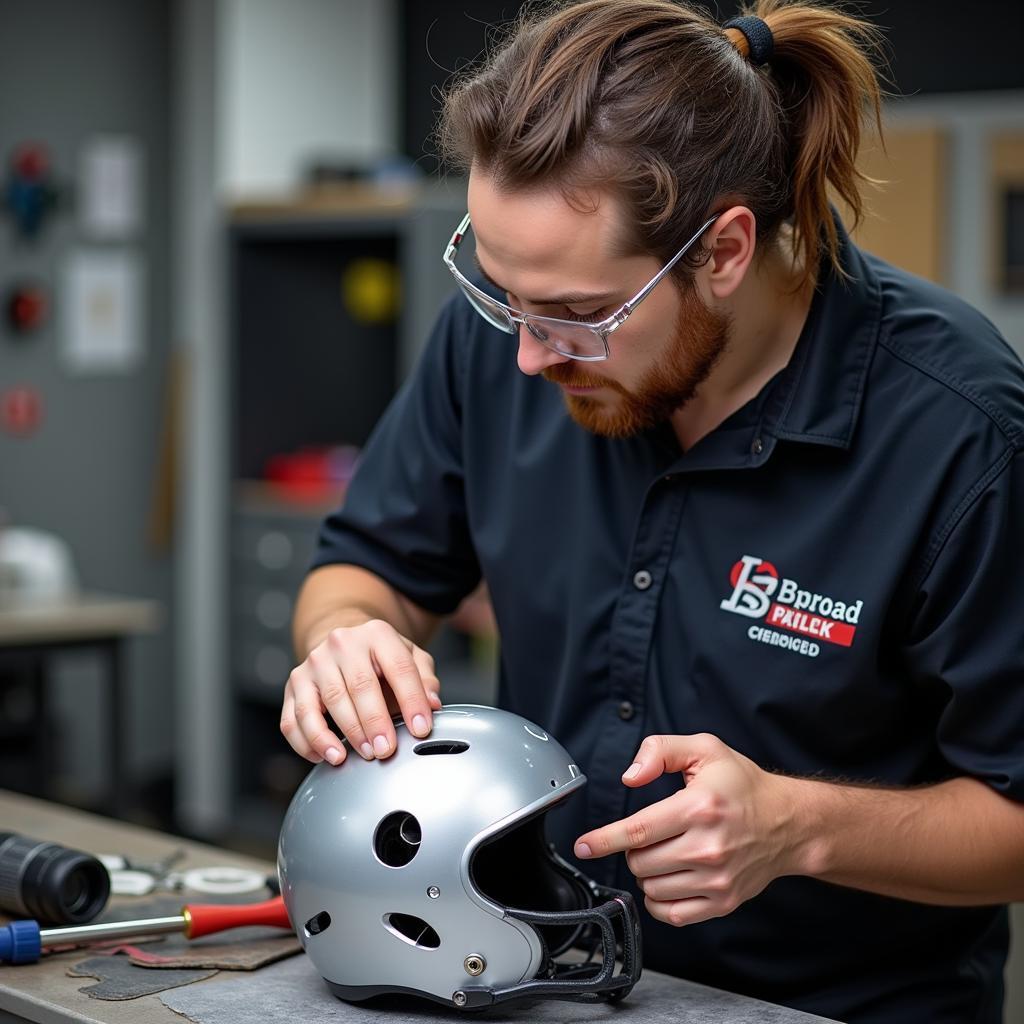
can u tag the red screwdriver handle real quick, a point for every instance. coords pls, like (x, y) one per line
(207, 919)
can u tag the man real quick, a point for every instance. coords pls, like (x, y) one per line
(749, 515)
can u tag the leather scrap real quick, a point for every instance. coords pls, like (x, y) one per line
(241, 949)
(118, 978)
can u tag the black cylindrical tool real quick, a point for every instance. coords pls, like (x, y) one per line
(49, 882)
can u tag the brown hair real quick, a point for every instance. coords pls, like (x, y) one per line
(655, 102)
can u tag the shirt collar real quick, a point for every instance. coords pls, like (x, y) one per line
(819, 394)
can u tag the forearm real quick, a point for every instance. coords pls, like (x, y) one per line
(954, 843)
(346, 595)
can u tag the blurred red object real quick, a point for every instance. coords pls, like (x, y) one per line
(31, 161)
(312, 474)
(26, 308)
(21, 411)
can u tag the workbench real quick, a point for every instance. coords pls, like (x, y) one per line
(290, 990)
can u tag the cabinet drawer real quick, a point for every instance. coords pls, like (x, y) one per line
(262, 666)
(278, 548)
(263, 606)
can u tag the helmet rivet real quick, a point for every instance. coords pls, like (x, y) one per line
(474, 964)
(459, 998)
(433, 892)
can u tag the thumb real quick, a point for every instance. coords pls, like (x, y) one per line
(661, 754)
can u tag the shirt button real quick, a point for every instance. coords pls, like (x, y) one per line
(626, 710)
(758, 446)
(642, 580)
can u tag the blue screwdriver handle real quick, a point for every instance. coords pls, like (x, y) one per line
(20, 942)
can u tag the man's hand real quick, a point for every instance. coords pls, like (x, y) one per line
(360, 675)
(701, 852)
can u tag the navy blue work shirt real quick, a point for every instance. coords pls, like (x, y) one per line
(830, 582)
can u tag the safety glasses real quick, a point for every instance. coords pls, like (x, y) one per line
(584, 341)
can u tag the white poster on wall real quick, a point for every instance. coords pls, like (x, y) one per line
(110, 192)
(102, 311)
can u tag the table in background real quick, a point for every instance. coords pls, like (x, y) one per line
(31, 633)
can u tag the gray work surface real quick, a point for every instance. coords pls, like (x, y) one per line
(289, 990)
(292, 990)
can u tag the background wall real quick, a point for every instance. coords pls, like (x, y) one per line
(301, 80)
(69, 72)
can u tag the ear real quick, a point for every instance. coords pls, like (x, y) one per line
(732, 240)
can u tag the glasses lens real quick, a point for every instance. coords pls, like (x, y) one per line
(493, 312)
(566, 338)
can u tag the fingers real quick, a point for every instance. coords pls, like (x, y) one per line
(292, 733)
(651, 825)
(397, 664)
(687, 911)
(333, 693)
(661, 754)
(694, 854)
(686, 897)
(373, 734)
(302, 722)
(428, 675)
(657, 755)
(359, 676)
(695, 848)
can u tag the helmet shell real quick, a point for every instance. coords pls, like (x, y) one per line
(348, 832)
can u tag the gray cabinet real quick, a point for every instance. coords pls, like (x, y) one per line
(271, 543)
(310, 369)
(271, 546)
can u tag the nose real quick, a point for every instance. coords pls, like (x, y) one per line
(534, 357)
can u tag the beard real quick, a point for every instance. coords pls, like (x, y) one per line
(699, 337)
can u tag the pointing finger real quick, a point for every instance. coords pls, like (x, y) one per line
(650, 825)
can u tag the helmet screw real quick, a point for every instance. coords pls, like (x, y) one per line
(474, 964)
(433, 892)
(459, 998)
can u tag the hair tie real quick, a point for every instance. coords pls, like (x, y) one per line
(760, 43)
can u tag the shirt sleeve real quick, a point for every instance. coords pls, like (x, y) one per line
(404, 516)
(966, 640)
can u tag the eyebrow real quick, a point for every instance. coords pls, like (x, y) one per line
(570, 299)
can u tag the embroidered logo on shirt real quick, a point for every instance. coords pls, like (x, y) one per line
(759, 593)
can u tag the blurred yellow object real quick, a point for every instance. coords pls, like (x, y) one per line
(371, 290)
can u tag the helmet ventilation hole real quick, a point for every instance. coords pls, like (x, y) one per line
(397, 839)
(441, 747)
(318, 924)
(413, 930)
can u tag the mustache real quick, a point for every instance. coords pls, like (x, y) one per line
(569, 377)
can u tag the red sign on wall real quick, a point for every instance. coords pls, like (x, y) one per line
(21, 411)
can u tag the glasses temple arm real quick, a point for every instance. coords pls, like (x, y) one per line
(643, 293)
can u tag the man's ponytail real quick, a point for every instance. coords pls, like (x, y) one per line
(828, 87)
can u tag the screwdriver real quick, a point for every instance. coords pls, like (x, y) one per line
(22, 942)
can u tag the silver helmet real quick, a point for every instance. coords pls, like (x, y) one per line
(428, 873)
